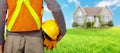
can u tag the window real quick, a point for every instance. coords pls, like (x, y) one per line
(90, 18)
(80, 20)
(106, 19)
(79, 13)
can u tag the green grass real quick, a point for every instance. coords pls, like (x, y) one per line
(104, 40)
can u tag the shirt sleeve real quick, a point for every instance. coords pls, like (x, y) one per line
(54, 7)
(3, 12)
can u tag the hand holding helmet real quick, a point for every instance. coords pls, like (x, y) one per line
(51, 32)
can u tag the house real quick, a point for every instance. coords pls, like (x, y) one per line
(95, 16)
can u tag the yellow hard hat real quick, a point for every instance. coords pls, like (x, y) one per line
(51, 29)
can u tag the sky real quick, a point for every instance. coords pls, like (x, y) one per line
(69, 6)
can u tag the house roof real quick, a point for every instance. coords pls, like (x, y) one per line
(78, 9)
(93, 10)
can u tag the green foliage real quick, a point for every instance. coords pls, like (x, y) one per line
(104, 40)
(110, 23)
(101, 20)
(89, 24)
(75, 24)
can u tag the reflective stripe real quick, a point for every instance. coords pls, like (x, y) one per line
(15, 14)
(17, 10)
(33, 13)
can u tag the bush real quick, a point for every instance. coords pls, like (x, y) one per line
(110, 23)
(89, 24)
(75, 24)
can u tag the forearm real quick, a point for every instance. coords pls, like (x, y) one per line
(58, 15)
(60, 21)
(3, 10)
(2, 26)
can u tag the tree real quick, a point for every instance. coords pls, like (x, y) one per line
(74, 24)
(89, 24)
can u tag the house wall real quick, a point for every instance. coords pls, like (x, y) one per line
(80, 20)
(90, 19)
(79, 17)
(107, 16)
(78, 13)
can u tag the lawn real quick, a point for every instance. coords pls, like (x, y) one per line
(104, 40)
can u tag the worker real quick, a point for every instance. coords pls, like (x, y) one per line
(23, 25)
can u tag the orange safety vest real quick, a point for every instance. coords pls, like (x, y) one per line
(25, 19)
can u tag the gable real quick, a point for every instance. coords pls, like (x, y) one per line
(79, 12)
(106, 12)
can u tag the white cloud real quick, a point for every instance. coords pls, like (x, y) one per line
(65, 5)
(46, 8)
(118, 5)
(74, 1)
(108, 3)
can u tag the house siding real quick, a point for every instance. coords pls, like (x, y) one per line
(107, 16)
(80, 20)
(90, 18)
(79, 17)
